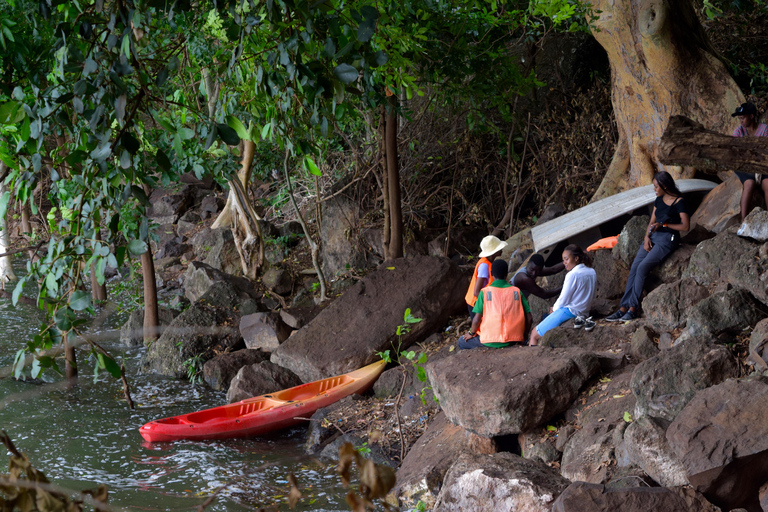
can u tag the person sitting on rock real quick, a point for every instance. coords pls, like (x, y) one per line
(669, 217)
(525, 278)
(502, 315)
(575, 300)
(490, 249)
(747, 114)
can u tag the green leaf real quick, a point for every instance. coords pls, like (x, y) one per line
(421, 374)
(368, 25)
(227, 134)
(130, 143)
(137, 247)
(11, 112)
(4, 203)
(17, 290)
(18, 363)
(239, 127)
(109, 364)
(140, 196)
(311, 166)
(80, 300)
(345, 73)
(627, 417)
(162, 160)
(409, 355)
(63, 319)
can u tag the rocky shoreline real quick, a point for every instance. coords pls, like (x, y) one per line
(663, 413)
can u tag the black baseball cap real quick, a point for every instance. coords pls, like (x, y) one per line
(746, 109)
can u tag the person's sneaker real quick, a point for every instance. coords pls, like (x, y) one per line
(616, 317)
(589, 324)
(629, 315)
(579, 322)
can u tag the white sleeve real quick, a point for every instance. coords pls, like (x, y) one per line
(565, 293)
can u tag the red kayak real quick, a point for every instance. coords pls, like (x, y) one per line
(262, 414)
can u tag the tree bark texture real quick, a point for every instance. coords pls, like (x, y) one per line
(687, 143)
(151, 317)
(6, 264)
(395, 249)
(70, 359)
(662, 65)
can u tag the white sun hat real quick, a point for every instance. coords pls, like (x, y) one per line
(491, 245)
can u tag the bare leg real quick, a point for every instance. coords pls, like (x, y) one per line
(746, 198)
(764, 185)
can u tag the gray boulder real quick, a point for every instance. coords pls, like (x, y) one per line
(731, 311)
(197, 334)
(642, 345)
(664, 384)
(647, 447)
(673, 267)
(612, 277)
(712, 258)
(632, 235)
(589, 455)
(494, 392)
(265, 331)
(188, 223)
(421, 475)
(132, 331)
(216, 247)
(200, 277)
(278, 280)
(666, 307)
(347, 334)
(750, 272)
(721, 439)
(219, 371)
(583, 497)
(168, 203)
(755, 225)
(260, 379)
(342, 245)
(501, 481)
(758, 341)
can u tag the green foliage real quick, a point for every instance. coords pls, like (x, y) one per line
(194, 368)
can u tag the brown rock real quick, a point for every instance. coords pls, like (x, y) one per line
(721, 438)
(666, 306)
(584, 497)
(219, 371)
(720, 208)
(713, 258)
(664, 384)
(502, 481)
(260, 379)
(496, 392)
(338, 340)
(264, 331)
(421, 475)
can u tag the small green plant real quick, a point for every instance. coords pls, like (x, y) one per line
(421, 506)
(194, 367)
(315, 287)
(364, 449)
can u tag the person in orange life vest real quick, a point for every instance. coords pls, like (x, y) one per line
(502, 315)
(490, 249)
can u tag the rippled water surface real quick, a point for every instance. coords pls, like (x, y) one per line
(85, 435)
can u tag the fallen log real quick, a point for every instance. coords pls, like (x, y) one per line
(687, 143)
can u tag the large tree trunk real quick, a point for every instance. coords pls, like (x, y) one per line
(662, 65)
(687, 143)
(394, 249)
(151, 316)
(6, 266)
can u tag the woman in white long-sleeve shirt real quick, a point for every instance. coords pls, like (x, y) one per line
(576, 297)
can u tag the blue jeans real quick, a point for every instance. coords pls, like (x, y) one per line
(554, 319)
(467, 343)
(645, 261)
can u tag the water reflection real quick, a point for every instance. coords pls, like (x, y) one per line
(84, 435)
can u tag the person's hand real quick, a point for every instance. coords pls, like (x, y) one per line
(647, 244)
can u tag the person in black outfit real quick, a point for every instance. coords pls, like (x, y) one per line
(669, 217)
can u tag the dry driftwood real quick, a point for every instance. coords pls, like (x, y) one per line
(687, 143)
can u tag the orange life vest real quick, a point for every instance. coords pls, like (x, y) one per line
(470, 297)
(503, 315)
(604, 243)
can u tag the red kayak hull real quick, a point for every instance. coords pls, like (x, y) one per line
(262, 414)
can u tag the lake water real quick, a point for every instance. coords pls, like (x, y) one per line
(86, 435)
